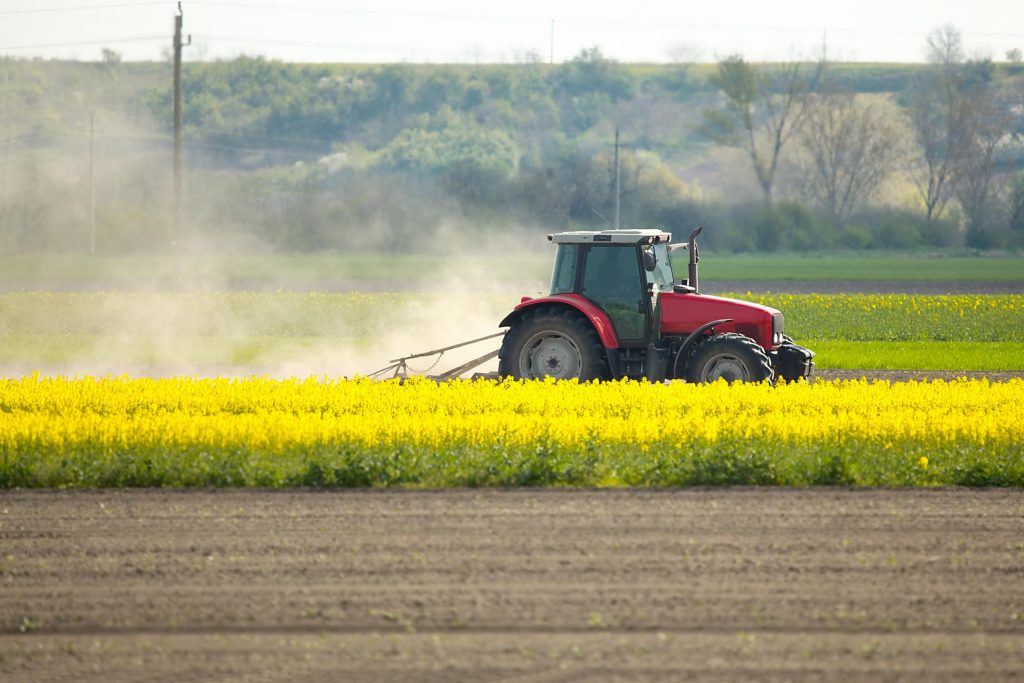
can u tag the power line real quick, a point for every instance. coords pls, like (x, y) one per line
(335, 46)
(82, 42)
(740, 28)
(617, 23)
(378, 13)
(405, 49)
(40, 10)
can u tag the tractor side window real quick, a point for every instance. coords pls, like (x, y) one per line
(563, 278)
(611, 279)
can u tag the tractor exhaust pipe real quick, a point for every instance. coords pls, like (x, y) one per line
(694, 259)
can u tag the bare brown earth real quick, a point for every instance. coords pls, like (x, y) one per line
(868, 286)
(523, 585)
(915, 375)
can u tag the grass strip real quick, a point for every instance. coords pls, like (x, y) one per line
(918, 355)
(854, 317)
(319, 269)
(865, 267)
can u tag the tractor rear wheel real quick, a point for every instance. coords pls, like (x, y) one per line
(732, 357)
(552, 343)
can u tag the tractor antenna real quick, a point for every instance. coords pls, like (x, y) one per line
(612, 225)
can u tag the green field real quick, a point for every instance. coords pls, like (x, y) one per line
(294, 272)
(406, 272)
(918, 355)
(257, 331)
(851, 317)
(862, 267)
(899, 317)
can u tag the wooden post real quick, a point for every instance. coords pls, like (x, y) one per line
(92, 181)
(178, 44)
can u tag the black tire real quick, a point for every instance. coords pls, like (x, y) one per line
(552, 342)
(732, 357)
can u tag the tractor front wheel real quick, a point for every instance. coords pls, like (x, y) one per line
(552, 343)
(732, 357)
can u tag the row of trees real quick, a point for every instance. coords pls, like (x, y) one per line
(784, 156)
(956, 133)
(951, 130)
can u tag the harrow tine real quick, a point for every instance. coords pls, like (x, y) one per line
(447, 348)
(455, 372)
(401, 368)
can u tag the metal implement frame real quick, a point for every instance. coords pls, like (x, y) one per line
(401, 367)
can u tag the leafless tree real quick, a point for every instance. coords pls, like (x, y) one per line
(110, 57)
(1015, 204)
(976, 186)
(944, 47)
(762, 109)
(938, 109)
(683, 56)
(853, 147)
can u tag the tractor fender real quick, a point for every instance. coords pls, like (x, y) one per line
(690, 340)
(598, 318)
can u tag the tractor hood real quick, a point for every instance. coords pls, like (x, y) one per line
(683, 313)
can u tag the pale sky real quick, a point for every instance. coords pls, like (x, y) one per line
(465, 31)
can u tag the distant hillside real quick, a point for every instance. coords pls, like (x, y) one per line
(305, 156)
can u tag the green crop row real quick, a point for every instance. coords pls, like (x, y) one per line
(187, 354)
(723, 462)
(900, 317)
(851, 317)
(320, 270)
(918, 355)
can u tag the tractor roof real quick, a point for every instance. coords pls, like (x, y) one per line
(612, 236)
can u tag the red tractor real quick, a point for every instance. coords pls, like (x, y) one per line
(617, 310)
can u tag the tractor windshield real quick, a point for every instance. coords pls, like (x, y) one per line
(662, 275)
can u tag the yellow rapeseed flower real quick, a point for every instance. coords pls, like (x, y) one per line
(624, 431)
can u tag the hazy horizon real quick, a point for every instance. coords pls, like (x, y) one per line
(456, 31)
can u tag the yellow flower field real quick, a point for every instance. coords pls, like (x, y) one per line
(262, 432)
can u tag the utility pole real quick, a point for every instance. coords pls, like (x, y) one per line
(178, 44)
(551, 50)
(617, 187)
(92, 181)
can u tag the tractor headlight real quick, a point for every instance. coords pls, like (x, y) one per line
(778, 328)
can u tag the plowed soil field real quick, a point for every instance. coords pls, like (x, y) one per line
(520, 585)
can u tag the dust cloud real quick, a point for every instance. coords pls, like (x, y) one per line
(204, 326)
(227, 294)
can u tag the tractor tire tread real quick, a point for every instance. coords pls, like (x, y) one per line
(595, 364)
(760, 366)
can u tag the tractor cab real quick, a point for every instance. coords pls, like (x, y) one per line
(622, 272)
